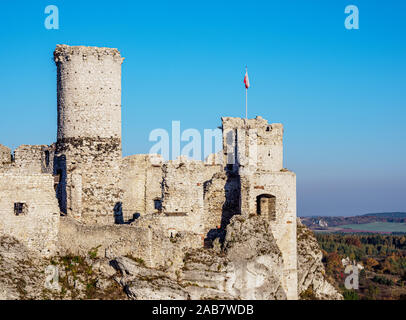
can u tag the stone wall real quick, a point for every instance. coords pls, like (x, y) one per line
(282, 186)
(34, 158)
(221, 199)
(183, 194)
(142, 239)
(27, 158)
(142, 184)
(29, 210)
(89, 177)
(253, 142)
(177, 192)
(256, 148)
(5, 156)
(88, 149)
(89, 91)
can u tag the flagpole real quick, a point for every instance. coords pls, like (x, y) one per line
(246, 108)
(246, 96)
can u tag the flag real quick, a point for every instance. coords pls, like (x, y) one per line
(246, 80)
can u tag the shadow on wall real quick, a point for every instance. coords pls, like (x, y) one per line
(60, 182)
(119, 217)
(231, 206)
(118, 213)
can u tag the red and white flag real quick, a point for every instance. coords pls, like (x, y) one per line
(246, 80)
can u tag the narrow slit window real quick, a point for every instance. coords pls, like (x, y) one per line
(47, 158)
(158, 204)
(20, 208)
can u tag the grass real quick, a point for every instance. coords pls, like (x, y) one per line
(140, 261)
(377, 226)
(93, 252)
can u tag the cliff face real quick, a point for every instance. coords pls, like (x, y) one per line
(312, 283)
(247, 265)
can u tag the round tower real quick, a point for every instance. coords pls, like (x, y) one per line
(88, 149)
(89, 92)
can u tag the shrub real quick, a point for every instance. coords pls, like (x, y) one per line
(350, 295)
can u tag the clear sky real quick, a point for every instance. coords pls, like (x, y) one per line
(339, 93)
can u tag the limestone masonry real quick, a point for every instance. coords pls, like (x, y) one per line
(80, 193)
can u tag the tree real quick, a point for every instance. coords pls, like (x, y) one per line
(370, 263)
(372, 292)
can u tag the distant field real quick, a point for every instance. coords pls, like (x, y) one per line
(377, 227)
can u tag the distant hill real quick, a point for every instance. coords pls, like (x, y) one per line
(327, 223)
(387, 214)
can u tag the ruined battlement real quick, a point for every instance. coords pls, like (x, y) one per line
(27, 158)
(5, 155)
(64, 53)
(33, 158)
(255, 123)
(155, 160)
(252, 144)
(269, 132)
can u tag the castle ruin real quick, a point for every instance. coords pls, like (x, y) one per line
(81, 193)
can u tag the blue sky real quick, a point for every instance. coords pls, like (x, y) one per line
(339, 93)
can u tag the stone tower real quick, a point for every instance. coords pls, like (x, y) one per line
(255, 149)
(88, 148)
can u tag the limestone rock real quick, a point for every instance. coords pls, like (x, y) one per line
(104, 266)
(246, 264)
(256, 261)
(249, 267)
(21, 271)
(311, 273)
(141, 283)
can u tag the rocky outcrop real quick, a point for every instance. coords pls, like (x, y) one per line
(142, 283)
(247, 266)
(24, 274)
(312, 283)
(21, 271)
(255, 260)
